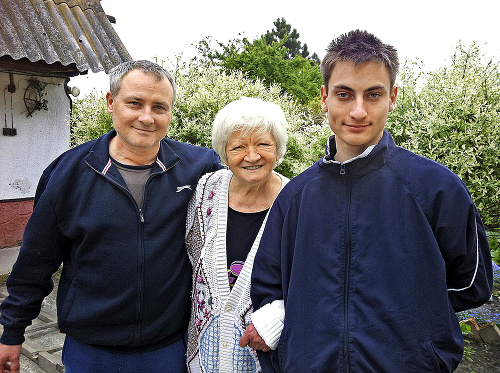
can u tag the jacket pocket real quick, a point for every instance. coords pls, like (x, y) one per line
(67, 304)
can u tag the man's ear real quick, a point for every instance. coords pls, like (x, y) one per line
(324, 95)
(109, 102)
(394, 95)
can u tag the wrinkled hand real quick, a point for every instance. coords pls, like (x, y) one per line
(252, 338)
(9, 358)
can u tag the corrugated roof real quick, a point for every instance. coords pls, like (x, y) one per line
(74, 34)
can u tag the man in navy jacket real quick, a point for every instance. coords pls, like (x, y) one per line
(113, 212)
(372, 249)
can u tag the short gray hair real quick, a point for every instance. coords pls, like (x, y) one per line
(249, 114)
(118, 72)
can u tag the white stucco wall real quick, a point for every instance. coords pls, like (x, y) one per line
(39, 140)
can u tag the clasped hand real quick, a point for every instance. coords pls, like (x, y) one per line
(252, 338)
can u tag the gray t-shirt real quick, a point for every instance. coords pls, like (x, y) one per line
(135, 177)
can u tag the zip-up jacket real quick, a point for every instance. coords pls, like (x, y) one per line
(126, 275)
(372, 259)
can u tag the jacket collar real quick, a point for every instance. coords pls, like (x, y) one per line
(362, 165)
(100, 160)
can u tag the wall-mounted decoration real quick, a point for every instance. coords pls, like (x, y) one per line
(33, 96)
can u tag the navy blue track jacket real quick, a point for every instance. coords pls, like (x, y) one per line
(126, 275)
(372, 258)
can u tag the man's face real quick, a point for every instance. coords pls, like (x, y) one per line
(358, 101)
(141, 111)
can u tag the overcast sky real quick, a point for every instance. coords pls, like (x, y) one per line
(427, 29)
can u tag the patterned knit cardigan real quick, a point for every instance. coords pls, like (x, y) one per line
(219, 315)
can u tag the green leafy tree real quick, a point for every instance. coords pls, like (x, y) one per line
(268, 62)
(277, 57)
(450, 115)
(282, 31)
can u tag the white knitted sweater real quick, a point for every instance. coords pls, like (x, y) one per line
(219, 315)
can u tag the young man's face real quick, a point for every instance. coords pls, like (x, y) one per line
(358, 101)
(141, 111)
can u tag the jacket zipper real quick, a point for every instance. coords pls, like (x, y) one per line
(141, 264)
(347, 278)
(140, 302)
(140, 282)
(139, 305)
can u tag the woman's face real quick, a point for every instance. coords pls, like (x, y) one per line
(251, 157)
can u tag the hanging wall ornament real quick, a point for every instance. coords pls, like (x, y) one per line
(33, 96)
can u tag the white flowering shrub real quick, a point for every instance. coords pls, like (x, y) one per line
(453, 118)
(90, 118)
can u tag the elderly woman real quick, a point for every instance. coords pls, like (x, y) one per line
(226, 217)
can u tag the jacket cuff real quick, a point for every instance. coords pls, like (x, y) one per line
(12, 336)
(268, 321)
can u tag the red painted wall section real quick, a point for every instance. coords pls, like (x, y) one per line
(13, 219)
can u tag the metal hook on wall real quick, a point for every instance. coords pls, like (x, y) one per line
(11, 88)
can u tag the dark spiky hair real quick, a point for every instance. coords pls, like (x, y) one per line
(358, 47)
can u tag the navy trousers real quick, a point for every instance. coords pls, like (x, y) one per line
(81, 358)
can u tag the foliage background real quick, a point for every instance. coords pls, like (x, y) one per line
(453, 118)
(450, 115)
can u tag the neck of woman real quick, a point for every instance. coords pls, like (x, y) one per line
(253, 198)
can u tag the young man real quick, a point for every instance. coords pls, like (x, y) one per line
(372, 249)
(113, 211)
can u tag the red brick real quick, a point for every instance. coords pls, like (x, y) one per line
(13, 219)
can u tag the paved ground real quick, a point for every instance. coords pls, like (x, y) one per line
(7, 258)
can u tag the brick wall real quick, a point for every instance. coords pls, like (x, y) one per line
(13, 218)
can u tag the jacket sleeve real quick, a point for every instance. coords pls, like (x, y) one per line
(462, 239)
(266, 284)
(470, 274)
(31, 278)
(270, 277)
